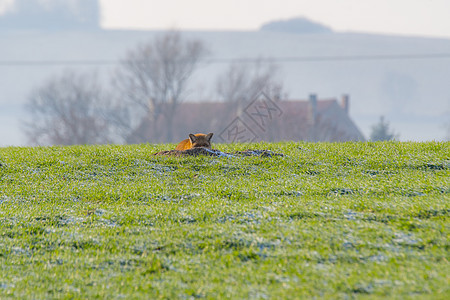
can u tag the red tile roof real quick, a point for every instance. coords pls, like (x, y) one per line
(270, 121)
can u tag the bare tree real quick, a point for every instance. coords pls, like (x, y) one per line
(153, 80)
(67, 110)
(240, 86)
(243, 81)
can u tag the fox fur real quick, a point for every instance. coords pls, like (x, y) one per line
(196, 141)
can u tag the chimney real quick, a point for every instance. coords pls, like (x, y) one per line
(312, 108)
(312, 112)
(345, 103)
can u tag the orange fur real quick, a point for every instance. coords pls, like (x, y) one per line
(195, 141)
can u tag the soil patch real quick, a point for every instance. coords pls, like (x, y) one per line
(213, 152)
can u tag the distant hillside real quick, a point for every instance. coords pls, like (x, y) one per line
(410, 90)
(296, 25)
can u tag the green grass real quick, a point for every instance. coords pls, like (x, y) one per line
(327, 220)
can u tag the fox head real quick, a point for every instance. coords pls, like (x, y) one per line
(201, 140)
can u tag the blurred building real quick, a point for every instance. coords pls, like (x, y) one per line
(263, 119)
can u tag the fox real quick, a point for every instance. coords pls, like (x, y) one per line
(196, 141)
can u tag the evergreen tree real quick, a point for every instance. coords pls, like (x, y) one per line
(381, 131)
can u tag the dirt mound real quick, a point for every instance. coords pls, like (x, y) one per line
(213, 152)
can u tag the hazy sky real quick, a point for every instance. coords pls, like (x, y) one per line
(411, 17)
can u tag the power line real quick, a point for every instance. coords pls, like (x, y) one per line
(341, 58)
(56, 62)
(243, 60)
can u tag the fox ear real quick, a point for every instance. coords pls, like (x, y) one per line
(209, 136)
(192, 137)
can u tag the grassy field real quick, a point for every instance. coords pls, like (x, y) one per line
(327, 220)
